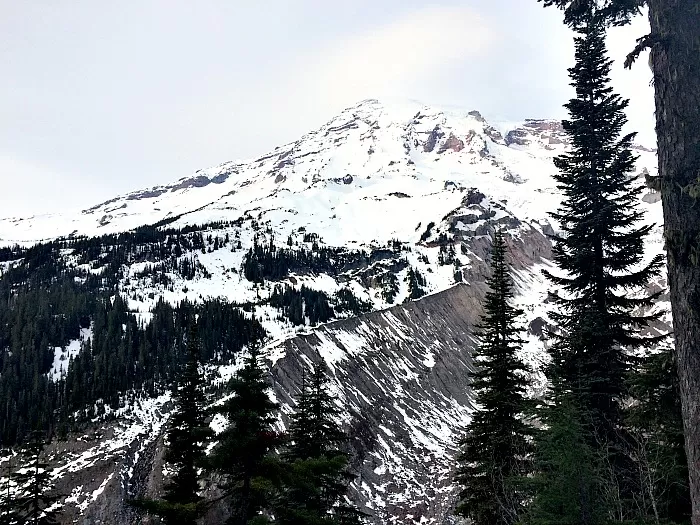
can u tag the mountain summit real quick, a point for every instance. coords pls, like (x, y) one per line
(375, 159)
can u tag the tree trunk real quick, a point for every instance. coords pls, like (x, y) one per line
(675, 61)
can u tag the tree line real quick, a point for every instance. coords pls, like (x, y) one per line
(123, 355)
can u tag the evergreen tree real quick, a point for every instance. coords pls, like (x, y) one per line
(674, 44)
(244, 455)
(569, 483)
(416, 282)
(9, 514)
(657, 444)
(390, 286)
(602, 306)
(186, 441)
(33, 482)
(496, 449)
(602, 245)
(317, 475)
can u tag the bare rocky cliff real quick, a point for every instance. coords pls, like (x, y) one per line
(402, 377)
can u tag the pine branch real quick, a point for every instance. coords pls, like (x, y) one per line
(643, 43)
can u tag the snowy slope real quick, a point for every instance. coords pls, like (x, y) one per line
(374, 173)
(347, 179)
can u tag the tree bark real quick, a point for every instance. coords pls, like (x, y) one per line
(675, 61)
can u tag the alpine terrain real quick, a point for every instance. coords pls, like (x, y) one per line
(364, 245)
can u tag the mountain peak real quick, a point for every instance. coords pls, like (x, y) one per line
(349, 168)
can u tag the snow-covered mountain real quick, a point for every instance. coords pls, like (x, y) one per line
(413, 190)
(373, 160)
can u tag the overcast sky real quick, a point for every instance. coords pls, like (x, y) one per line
(100, 98)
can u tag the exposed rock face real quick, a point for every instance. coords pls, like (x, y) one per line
(198, 181)
(494, 135)
(435, 135)
(548, 133)
(402, 376)
(477, 115)
(518, 137)
(453, 144)
(147, 194)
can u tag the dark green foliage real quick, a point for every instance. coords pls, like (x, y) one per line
(272, 263)
(31, 499)
(313, 430)
(316, 475)
(390, 286)
(570, 482)
(603, 304)
(496, 451)
(244, 455)
(123, 354)
(428, 232)
(9, 514)
(447, 254)
(41, 263)
(187, 435)
(615, 12)
(32, 323)
(602, 245)
(171, 512)
(297, 305)
(307, 303)
(657, 443)
(346, 301)
(48, 296)
(416, 284)
(52, 290)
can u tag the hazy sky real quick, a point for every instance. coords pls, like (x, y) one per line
(100, 98)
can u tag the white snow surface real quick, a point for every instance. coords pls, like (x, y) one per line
(368, 174)
(62, 356)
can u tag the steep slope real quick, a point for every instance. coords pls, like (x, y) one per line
(402, 381)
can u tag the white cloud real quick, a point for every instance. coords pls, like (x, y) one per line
(635, 83)
(31, 186)
(393, 59)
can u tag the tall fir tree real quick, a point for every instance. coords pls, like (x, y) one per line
(496, 450)
(245, 453)
(187, 436)
(416, 283)
(674, 45)
(32, 499)
(602, 304)
(317, 475)
(601, 248)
